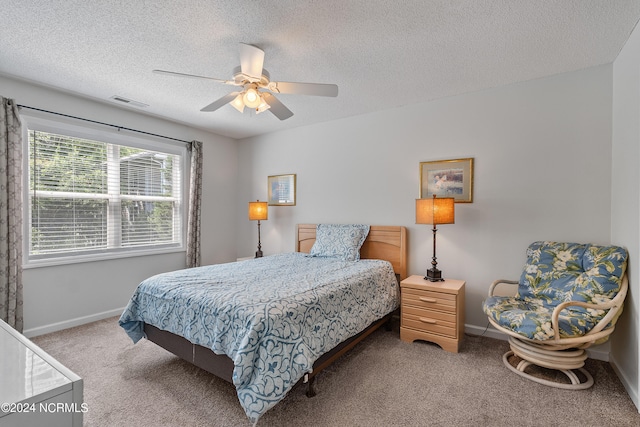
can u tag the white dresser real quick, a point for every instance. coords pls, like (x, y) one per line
(35, 389)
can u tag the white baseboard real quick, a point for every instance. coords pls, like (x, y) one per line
(53, 327)
(599, 354)
(491, 332)
(487, 331)
(628, 385)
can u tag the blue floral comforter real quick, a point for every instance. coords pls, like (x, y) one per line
(273, 316)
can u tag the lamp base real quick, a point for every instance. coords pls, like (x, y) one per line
(258, 254)
(434, 275)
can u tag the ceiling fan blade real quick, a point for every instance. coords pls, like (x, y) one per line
(193, 76)
(221, 102)
(277, 108)
(314, 89)
(251, 60)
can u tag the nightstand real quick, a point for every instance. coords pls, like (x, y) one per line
(432, 311)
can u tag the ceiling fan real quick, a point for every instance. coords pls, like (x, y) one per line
(257, 88)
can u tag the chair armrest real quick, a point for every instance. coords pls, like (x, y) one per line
(613, 306)
(500, 281)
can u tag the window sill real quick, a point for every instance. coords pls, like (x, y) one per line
(98, 257)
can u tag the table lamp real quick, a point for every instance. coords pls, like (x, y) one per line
(435, 211)
(258, 211)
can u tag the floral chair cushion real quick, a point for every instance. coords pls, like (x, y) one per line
(533, 320)
(556, 273)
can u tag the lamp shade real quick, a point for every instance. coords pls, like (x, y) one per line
(258, 211)
(435, 211)
(237, 103)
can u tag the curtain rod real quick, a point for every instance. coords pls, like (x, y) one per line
(106, 124)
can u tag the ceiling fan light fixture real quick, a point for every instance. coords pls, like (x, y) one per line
(263, 106)
(237, 103)
(255, 86)
(251, 98)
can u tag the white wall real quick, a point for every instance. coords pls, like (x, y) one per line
(62, 296)
(625, 197)
(542, 154)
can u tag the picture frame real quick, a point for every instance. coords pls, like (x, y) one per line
(447, 178)
(282, 190)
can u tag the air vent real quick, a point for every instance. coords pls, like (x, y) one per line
(128, 101)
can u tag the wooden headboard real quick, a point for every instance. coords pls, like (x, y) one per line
(383, 242)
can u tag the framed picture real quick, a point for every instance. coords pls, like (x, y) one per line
(447, 178)
(282, 190)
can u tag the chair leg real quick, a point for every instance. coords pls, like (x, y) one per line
(565, 361)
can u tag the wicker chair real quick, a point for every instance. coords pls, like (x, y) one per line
(569, 297)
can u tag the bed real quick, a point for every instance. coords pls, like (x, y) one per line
(247, 325)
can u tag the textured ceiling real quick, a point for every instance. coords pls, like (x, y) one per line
(381, 54)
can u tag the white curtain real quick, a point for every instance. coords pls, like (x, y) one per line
(195, 199)
(10, 215)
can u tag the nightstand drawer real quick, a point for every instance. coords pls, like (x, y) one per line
(429, 321)
(429, 300)
(432, 311)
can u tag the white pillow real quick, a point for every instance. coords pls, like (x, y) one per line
(342, 241)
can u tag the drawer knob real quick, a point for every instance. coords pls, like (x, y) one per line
(426, 320)
(425, 299)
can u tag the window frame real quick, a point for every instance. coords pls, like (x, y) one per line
(116, 136)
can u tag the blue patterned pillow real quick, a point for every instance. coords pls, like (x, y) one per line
(339, 241)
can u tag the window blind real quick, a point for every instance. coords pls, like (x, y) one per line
(88, 196)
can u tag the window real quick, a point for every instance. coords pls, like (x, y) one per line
(93, 194)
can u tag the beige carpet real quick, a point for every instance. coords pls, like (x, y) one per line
(381, 382)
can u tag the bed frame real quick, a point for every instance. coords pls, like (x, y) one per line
(383, 242)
